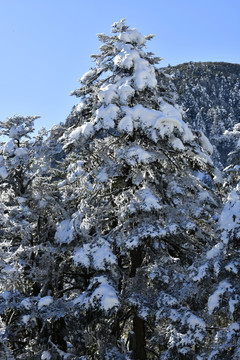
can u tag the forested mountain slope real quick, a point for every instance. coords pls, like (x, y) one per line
(210, 94)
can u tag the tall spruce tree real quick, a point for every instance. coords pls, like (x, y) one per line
(138, 190)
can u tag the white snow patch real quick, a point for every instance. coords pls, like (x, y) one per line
(132, 36)
(232, 302)
(202, 270)
(21, 152)
(132, 242)
(3, 172)
(45, 301)
(213, 300)
(215, 251)
(195, 321)
(75, 171)
(234, 327)
(126, 124)
(125, 91)
(174, 113)
(105, 116)
(79, 107)
(46, 355)
(229, 219)
(108, 93)
(231, 267)
(81, 256)
(21, 200)
(103, 176)
(144, 74)
(26, 318)
(99, 255)
(13, 133)
(157, 124)
(217, 179)
(8, 270)
(175, 315)
(9, 147)
(103, 255)
(104, 294)
(148, 200)
(87, 76)
(26, 303)
(74, 135)
(176, 143)
(86, 130)
(126, 57)
(205, 143)
(216, 267)
(65, 231)
(5, 295)
(122, 90)
(136, 154)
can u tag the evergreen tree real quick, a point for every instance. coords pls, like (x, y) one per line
(139, 210)
(29, 213)
(215, 271)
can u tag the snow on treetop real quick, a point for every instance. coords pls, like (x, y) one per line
(132, 36)
(129, 71)
(126, 53)
(127, 35)
(143, 74)
(119, 26)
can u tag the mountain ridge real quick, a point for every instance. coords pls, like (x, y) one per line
(209, 93)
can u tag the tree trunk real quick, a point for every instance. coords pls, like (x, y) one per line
(136, 260)
(139, 344)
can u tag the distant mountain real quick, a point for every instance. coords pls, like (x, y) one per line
(210, 95)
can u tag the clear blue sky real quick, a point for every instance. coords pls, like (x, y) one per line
(45, 44)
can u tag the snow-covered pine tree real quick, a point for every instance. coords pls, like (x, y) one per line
(139, 211)
(29, 213)
(216, 274)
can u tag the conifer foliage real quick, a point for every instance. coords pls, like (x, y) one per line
(112, 231)
(139, 202)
